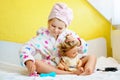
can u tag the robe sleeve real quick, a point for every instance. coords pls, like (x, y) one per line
(26, 53)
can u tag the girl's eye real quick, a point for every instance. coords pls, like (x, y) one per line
(53, 26)
(60, 28)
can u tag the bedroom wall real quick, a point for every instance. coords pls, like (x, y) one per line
(104, 7)
(19, 19)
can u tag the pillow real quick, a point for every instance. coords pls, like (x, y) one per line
(97, 47)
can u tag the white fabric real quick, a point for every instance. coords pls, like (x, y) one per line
(14, 72)
(62, 12)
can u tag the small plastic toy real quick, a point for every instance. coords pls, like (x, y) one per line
(51, 74)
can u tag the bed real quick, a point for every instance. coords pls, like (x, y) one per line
(10, 68)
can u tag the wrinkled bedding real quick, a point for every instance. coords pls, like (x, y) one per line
(15, 72)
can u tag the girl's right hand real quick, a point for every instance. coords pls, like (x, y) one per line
(30, 66)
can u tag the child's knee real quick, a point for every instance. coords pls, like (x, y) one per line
(92, 59)
(92, 56)
(88, 71)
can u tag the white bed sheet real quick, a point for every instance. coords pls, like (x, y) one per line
(15, 72)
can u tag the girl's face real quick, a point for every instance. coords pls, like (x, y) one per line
(72, 53)
(56, 27)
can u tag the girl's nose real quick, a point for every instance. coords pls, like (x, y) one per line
(56, 29)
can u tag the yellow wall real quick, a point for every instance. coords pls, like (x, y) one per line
(19, 19)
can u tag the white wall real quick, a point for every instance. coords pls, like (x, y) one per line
(104, 7)
(116, 12)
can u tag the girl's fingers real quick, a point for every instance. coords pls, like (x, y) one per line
(33, 69)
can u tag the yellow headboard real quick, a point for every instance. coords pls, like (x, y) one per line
(20, 19)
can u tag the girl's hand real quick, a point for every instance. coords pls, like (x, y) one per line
(30, 66)
(70, 38)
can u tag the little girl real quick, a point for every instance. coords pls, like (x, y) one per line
(46, 44)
